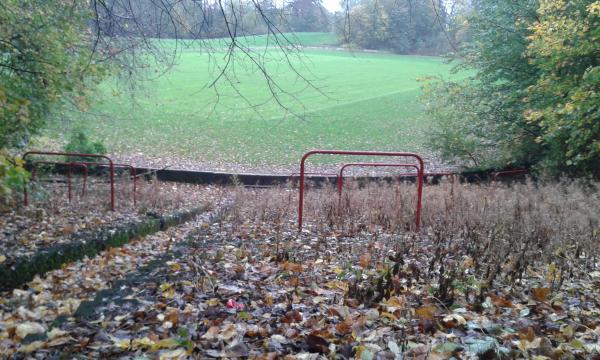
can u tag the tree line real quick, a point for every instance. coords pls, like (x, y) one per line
(533, 99)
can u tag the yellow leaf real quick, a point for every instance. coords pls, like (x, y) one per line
(123, 344)
(173, 354)
(389, 316)
(174, 266)
(19, 161)
(2, 259)
(213, 302)
(169, 343)
(165, 287)
(167, 290)
(142, 343)
(426, 312)
(337, 285)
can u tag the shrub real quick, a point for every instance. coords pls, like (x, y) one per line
(80, 143)
(13, 177)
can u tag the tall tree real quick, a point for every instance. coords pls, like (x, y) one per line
(403, 26)
(532, 100)
(46, 60)
(565, 100)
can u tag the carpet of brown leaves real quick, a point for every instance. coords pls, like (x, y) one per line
(50, 219)
(242, 282)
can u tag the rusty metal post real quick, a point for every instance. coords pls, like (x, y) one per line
(363, 153)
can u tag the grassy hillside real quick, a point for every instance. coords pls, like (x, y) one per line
(363, 101)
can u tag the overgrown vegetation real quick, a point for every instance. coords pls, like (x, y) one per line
(494, 234)
(533, 100)
(498, 272)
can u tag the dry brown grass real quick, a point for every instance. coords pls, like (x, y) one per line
(501, 231)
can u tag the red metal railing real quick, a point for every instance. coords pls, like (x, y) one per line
(96, 156)
(132, 172)
(340, 180)
(364, 153)
(69, 166)
(498, 174)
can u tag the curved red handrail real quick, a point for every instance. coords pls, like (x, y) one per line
(364, 153)
(52, 153)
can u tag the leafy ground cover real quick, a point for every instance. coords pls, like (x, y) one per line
(359, 101)
(51, 220)
(498, 273)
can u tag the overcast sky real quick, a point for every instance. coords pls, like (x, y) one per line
(332, 5)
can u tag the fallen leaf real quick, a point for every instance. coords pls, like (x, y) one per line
(291, 267)
(173, 354)
(500, 301)
(56, 333)
(426, 312)
(540, 294)
(365, 260)
(31, 347)
(316, 344)
(28, 328)
(453, 320)
(211, 333)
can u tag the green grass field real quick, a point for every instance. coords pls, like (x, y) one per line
(371, 103)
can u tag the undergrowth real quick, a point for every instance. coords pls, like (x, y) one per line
(474, 238)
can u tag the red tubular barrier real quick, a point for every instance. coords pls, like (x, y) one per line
(364, 153)
(69, 164)
(497, 174)
(132, 172)
(340, 181)
(110, 162)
